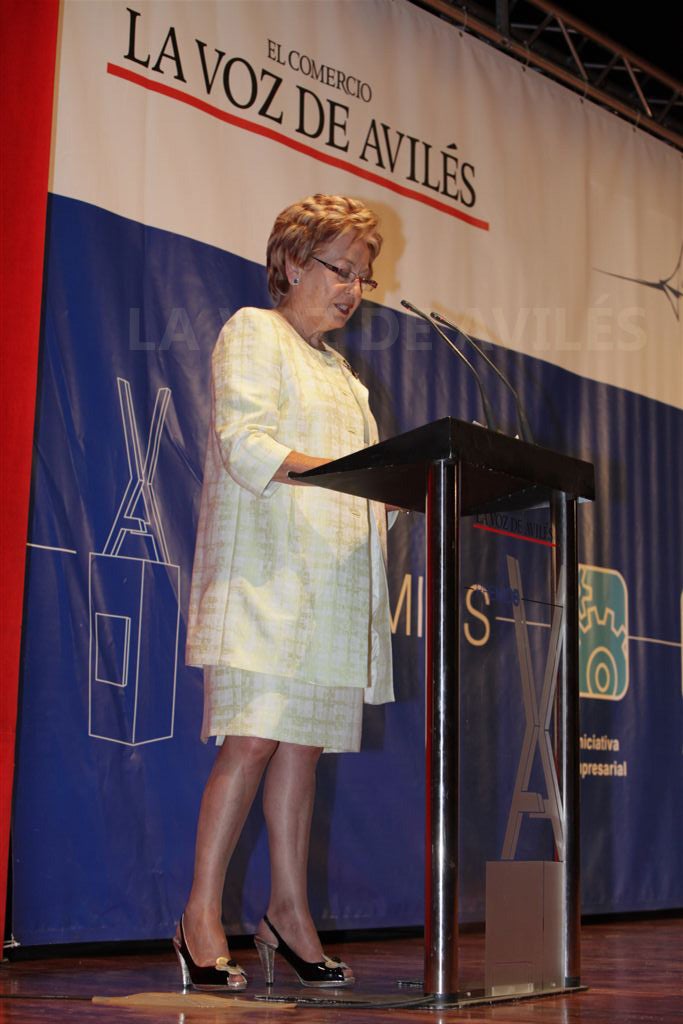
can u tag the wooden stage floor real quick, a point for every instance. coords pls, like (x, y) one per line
(634, 970)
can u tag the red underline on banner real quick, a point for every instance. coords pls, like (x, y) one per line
(284, 140)
(519, 536)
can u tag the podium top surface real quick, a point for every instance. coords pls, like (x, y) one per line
(497, 471)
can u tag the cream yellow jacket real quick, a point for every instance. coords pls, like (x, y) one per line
(287, 580)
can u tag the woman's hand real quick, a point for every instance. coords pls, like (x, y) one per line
(297, 462)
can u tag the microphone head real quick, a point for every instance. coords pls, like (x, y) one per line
(414, 309)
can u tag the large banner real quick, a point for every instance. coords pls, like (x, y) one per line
(545, 227)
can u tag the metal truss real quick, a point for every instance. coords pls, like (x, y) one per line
(543, 36)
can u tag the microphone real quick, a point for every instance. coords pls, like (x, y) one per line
(522, 422)
(488, 414)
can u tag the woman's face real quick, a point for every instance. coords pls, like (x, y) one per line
(323, 302)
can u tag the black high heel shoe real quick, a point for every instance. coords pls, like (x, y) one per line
(225, 974)
(327, 973)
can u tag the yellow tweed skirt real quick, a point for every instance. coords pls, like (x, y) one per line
(241, 703)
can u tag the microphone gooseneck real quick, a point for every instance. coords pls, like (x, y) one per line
(488, 412)
(522, 422)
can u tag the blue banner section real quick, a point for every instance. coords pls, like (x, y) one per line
(110, 766)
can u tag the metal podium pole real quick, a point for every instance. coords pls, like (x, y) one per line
(563, 510)
(442, 725)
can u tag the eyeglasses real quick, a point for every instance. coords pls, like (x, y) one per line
(366, 283)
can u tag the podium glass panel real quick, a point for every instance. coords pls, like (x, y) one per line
(512, 842)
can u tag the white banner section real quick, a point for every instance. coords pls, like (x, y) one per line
(530, 217)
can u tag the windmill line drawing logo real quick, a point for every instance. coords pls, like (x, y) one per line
(134, 602)
(672, 291)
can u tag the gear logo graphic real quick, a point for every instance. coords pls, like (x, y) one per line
(603, 633)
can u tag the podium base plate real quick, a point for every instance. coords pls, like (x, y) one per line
(482, 997)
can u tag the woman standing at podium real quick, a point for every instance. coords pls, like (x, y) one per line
(289, 611)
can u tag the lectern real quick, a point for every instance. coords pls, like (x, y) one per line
(450, 469)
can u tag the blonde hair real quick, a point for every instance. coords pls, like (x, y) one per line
(301, 229)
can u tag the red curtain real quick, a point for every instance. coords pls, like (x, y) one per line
(27, 58)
